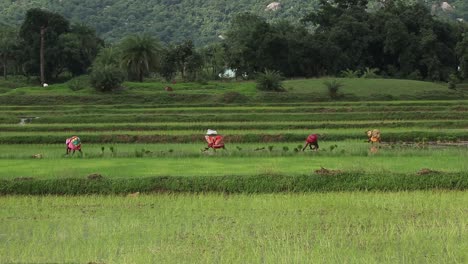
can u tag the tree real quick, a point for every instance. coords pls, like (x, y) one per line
(188, 61)
(168, 67)
(108, 56)
(140, 55)
(8, 40)
(214, 59)
(40, 32)
(106, 74)
(462, 54)
(79, 48)
(344, 34)
(245, 47)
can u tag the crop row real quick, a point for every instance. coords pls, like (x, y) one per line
(56, 127)
(237, 184)
(214, 117)
(453, 104)
(118, 137)
(208, 98)
(233, 110)
(343, 149)
(228, 132)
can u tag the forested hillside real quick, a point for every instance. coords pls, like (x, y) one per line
(176, 20)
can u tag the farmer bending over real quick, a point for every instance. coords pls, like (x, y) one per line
(73, 144)
(214, 140)
(312, 140)
(373, 136)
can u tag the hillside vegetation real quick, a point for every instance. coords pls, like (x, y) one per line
(219, 92)
(177, 20)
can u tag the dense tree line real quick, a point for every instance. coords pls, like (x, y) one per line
(339, 37)
(177, 20)
(46, 45)
(169, 20)
(397, 40)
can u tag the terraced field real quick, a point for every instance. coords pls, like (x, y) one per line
(151, 195)
(141, 141)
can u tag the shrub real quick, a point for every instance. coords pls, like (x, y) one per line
(370, 73)
(270, 81)
(453, 81)
(78, 83)
(416, 75)
(348, 73)
(106, 78)
(333, 86)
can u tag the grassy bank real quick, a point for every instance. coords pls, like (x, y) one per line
(305, 90)
(264, 183)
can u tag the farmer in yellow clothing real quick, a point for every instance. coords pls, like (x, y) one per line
(373, 136)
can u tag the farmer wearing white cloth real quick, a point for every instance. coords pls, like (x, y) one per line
(214, 140)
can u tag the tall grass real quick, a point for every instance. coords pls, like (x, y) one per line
(305, 228)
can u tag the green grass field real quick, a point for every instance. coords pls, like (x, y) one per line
(402, 227)
(239, 92)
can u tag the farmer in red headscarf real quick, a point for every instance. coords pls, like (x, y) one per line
(214, 140)
(312, 140)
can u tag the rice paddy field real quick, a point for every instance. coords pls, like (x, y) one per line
(143, 191)
(345, 227)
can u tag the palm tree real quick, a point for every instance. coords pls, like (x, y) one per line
(108, 56)
(140, 54)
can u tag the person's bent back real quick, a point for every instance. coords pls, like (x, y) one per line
(218, 142)
(215, 141)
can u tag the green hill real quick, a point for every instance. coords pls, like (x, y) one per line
(177, 20)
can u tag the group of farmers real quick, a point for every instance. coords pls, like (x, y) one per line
(216, 141)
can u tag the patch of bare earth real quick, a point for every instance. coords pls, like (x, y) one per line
(324, 171)
(425, 171)
(24, 179)
(95, 176)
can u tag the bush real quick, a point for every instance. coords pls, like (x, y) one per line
(370, 73)
(78, 83)
(350, 74)
(416, 75)
(453, 81)
(106, 78)
(333, 86)
(270, 81)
